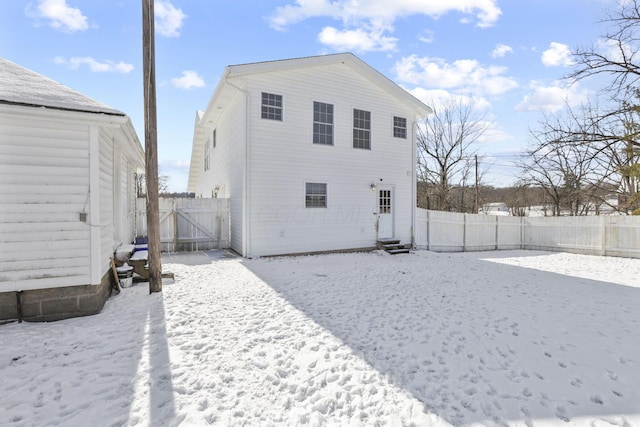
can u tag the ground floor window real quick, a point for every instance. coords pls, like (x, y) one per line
(315, 195)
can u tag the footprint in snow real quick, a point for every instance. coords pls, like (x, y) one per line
(563, 417)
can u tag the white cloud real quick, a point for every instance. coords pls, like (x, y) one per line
(501, 50)
(427, 36)
(94, 65)
(558, 54)
(465, 75)
(486, 12)
(494, 133)
(61, 16)
(615, 51)
(168, 19)
(358, 40)
(369, 20)
(189, 79)
(550, 99)
(439, 98)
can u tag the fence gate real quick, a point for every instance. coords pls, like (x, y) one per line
(188, 224)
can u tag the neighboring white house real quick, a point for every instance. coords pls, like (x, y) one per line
(495, 208)
(67, 196)
(315, 154)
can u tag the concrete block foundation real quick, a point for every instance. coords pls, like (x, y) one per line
(45, 305)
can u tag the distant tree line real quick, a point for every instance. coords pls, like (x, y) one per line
(520, 200)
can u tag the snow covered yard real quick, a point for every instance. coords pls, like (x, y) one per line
(491, 338)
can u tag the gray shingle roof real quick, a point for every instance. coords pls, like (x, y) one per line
(21, 86)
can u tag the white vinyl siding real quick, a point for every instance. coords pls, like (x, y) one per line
(227, 165)
(124, 194)
(106, 220)
(207, 155)
(280, 164)
(44, 184)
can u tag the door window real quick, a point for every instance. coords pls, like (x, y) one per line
(385, 202)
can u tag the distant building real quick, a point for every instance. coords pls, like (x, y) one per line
(498, 208)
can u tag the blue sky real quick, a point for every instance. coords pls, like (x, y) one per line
(509, 56)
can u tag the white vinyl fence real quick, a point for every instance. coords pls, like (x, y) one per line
(596, 235)
(189, 224)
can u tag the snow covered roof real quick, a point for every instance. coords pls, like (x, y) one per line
(21, 86)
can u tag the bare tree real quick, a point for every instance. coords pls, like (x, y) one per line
(446, 152)
(616, 55)
(569, 162)
(616, 58)
(141, 185)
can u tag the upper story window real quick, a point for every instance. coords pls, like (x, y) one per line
(207, 154)
(315, 195)
(361, 129)
(271, 106)
(399, 127)
(322, 123)
(215, 139)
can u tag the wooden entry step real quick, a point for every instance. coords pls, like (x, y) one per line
(393, 246)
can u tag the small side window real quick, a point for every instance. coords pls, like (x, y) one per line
(271, 106)
(399, 127)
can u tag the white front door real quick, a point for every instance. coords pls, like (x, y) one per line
(385, 213)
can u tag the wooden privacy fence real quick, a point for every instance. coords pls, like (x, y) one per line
(189, 224)
(595, 235)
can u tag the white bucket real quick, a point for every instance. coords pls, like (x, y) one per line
(127, 282)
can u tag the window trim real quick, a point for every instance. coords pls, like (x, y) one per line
(306, 195)
(405, 128)
(354, 128)
(314, 122)
(264, 115)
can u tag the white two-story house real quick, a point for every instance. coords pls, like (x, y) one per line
(315, 154)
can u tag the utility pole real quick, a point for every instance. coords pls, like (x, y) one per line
(151, 146)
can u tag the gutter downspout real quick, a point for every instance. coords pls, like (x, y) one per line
(246, 179)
